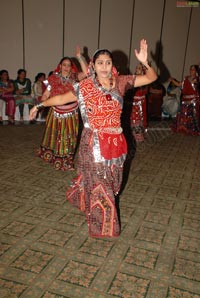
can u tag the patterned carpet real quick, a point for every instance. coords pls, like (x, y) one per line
(45, 250)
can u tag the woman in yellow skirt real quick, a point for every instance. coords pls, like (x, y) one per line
(60, 137)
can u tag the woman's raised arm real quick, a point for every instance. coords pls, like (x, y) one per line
(150, 74)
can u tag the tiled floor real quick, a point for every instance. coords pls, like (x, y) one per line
(44, 246)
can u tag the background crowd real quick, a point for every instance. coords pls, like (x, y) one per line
(15, 94)
(174, 99)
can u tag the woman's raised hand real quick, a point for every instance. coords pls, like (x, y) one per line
(142, 54)
(78, 51)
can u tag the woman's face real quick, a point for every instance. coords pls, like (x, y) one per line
(22, 75)
(4, 76)
(66, 67)
(103, 66)
(139, 70)
(42, 78)
(192, 71)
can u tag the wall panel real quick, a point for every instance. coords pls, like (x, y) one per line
(193, 47)
(115, 30)
(174, 39)
(11, 36)
(43, 23)
(147, 22)
(81, 25)
(54, 28)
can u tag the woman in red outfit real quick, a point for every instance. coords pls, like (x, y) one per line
(188, 119)
(60, 137)
(6, 94)
(103, 147)
(139, 109)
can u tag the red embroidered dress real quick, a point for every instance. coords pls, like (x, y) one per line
(188, 119)
(139, 113)
(60, 137)
(102, 153)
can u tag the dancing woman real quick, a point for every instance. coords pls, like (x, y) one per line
(187, 120)
(139, 108)
(60, 137)
(103, 147)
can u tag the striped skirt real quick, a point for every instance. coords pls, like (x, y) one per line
(60, 138)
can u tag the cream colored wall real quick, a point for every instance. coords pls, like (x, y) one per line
(147, 21)
(11, 42)
(81, 25)
(193, 48)
(174, 38)
(115, 30)
(43, 24)
(52, 29)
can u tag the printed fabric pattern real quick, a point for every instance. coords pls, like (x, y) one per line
(102, 153)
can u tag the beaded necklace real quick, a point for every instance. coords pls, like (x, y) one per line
(65, 80)
(107, 92)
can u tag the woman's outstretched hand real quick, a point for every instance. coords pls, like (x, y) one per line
(33, 113)
(142, 54)
(78, 51)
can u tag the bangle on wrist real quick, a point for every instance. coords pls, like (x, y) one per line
(80, 58)
(39, 106)
(146, 64)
